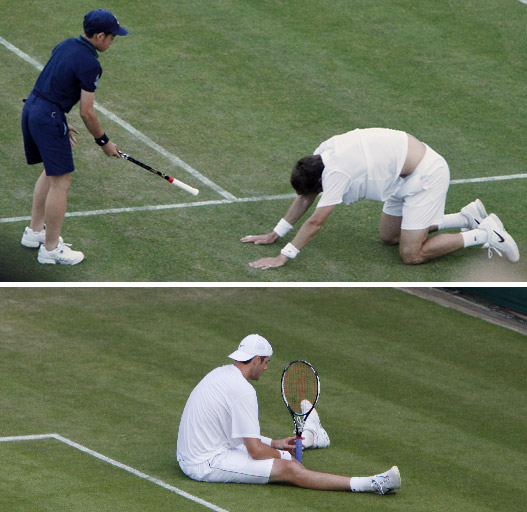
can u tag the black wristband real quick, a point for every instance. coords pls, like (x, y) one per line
(101, 141)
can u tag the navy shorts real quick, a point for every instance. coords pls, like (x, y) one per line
(46, 136)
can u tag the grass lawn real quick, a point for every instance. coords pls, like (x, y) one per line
(403, 381)
(239, 90)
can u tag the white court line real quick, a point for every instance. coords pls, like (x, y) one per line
(26, 438)
(159, 207)
(117, 464)
(128, 127)
(229, 198)
(226, 201)
(490, 178)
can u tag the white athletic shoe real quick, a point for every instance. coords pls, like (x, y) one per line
(387, 483)
(61, 254)
(320, 436)
(34, 239)
(475, 213)
(499, 240)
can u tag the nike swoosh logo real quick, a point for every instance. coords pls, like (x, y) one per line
(501, 238)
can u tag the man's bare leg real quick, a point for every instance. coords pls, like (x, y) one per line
(415, 247)
(390, 229)
(292, 472)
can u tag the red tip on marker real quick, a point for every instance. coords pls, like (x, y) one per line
(170, 180)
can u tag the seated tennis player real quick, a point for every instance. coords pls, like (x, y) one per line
(219, 436)
(408, 176)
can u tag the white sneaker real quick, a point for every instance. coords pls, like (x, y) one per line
(475, 213)
(34, 239)
(388, 482)
(499, 240)
(320, 436)
(61, 254)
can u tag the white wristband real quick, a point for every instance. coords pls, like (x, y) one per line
(290, 251)
(266, 440)
(282, 228)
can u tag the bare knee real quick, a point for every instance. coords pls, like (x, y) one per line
(287, 471)
(389, 240)
(390, 229)
(61, 182)
(412, 257)
(412, 246)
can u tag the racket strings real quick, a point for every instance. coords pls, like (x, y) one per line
(300, 383)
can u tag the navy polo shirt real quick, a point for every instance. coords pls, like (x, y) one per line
(74, 65)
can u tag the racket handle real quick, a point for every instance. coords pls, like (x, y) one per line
(298, 449)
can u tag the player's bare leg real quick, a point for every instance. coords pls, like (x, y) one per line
(415, 247)
(292, 472)
(390, 229)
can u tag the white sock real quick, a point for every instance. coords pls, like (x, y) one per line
(453, 220)
(309, 438)
(474, 237)
(360, 484)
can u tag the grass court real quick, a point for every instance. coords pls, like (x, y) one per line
(403, 381)
(239, 90)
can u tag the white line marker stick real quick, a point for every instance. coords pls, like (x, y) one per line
(170, 179)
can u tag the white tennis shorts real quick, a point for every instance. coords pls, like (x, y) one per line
(231, 466)
(420, 201)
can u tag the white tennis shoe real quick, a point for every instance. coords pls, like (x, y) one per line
(475, 213)
(62, 254)
(387, 483)
(320, 436)
(34, 239)
(498, 239)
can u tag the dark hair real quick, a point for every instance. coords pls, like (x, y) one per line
(306, 174)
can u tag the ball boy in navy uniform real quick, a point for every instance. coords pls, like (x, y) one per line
(71, 75)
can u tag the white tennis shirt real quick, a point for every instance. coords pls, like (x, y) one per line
(363, 163)
(221, 410)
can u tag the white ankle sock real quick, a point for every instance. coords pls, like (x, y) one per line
(453, 220)
(474, 237)
(360, 484)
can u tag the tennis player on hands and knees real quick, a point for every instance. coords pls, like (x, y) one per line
(391, 166)
(71, 74)
(219, 437)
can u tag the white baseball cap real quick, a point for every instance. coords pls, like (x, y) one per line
(251, 346)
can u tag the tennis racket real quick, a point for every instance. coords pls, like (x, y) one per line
(174, 181)
(299, 382)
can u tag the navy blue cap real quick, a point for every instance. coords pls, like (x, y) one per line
(101, 20)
